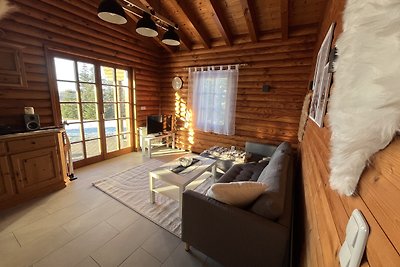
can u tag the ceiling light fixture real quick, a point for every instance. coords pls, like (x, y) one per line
(171, 37)
(146, 26)
(111, 11)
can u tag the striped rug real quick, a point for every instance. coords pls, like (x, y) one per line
(131, 188)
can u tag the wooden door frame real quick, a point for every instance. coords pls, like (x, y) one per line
(55, 51)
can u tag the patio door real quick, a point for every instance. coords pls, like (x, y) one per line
(95, 103)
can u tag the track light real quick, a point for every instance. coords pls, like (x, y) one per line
(111, 11)
(146, 26)
(171, 37)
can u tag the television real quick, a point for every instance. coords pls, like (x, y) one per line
(159, 124)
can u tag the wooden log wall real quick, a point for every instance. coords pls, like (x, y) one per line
(73, 26)
(266, 117)
(326, 213)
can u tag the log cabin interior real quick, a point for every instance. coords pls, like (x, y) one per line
(274, 44)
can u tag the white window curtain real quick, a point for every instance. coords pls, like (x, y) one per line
(212, 98)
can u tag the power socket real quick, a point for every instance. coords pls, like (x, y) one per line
(357, 232)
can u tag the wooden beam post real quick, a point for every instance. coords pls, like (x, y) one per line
(249, 15)
(222, 24)
(198, 28)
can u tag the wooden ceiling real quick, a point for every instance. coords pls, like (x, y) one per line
(210, 23)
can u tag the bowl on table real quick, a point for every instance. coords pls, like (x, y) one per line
(185, 162)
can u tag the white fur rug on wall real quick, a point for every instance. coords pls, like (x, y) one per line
(364, 109)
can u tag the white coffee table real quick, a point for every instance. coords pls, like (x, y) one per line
(179, 180)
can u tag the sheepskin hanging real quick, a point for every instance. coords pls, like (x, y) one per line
(5, 8)
(364, 110)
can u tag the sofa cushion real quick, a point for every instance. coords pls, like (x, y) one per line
(243, 172)
(238, 194)
(271, 203)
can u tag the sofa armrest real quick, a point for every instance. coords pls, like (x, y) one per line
(230, 235)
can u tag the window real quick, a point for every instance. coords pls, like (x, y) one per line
(212, 96)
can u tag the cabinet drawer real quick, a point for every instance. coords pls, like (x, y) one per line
(32, 143)
(3, 150)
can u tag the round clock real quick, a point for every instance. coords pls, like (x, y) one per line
(177, 83)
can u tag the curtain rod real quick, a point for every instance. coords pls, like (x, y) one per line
(210, 66)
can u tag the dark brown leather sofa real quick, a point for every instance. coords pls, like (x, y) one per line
(258, 235)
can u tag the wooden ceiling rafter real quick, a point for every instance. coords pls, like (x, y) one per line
(221, 22)
(199, 30)
(249, 15)
(285, 19)
(150, 4)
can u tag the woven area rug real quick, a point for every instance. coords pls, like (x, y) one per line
(131, 188)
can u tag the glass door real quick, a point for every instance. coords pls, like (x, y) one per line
(95, 104)
(117, 108)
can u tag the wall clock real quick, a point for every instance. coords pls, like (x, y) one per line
(177, 83)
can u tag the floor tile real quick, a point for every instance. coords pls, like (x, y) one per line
(124, 244)
(21, 216)
(88, 262)
(140, 258)
(40, 227)
(123, 218)
(66, 227)
(8, 244)
(78, 249)
(161, 244)
(91, 218)
(36, 249)
(181, 258)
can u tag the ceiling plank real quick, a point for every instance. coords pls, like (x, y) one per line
(222, 24)
(130, 25)
(249, 15)
(198, 29)
(150, 4)
(285, 19)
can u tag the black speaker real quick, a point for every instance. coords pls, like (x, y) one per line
(266, 88)
(32, 122)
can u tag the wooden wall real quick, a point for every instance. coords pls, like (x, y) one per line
(327, 213)
(73, 26)
(270, 117)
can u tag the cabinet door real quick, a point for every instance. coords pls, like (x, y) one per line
(6, 188)
(36, 169)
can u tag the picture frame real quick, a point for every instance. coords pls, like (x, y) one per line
(321, 78)
(323, 96)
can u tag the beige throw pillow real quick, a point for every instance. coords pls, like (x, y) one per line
(238, 194)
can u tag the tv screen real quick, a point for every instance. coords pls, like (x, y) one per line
(159, 124)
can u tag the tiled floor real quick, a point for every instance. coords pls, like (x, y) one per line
(81, 226)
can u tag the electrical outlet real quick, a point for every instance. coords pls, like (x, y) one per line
(142, 107)
(357, 232)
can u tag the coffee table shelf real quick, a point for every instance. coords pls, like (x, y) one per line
(178, 183)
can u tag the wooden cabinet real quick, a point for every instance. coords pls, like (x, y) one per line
(6, 188)
(12, 71)
(31, 164)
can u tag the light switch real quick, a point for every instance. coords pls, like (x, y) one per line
(357, 232)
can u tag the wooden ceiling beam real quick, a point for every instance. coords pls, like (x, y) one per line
(249, 15)
(285, 19)
(198, 29)
(222, 24)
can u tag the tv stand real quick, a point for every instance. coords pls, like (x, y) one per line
(146, 140)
